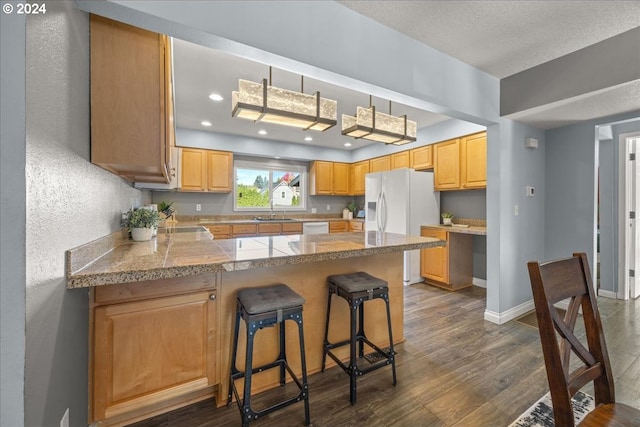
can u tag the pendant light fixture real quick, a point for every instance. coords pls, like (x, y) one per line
(262, 102)
(380, 127)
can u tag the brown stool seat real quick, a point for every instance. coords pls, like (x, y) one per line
(356, 289)
(259, 308)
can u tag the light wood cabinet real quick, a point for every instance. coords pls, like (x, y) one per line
(422, 158)
(222, 231)
(329, 178)
(206, 170)
(291, 228)
(132, 128)
(358, 172)
(244, 230)
(356, 225)
(338, 226)
(380, 164)
(269, 229)
(446, 165)
(151, 353)
(473, 161)
(451, 266)
(340, 179)
(400, 160)
(321, 178)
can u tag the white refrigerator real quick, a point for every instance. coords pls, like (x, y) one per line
(400, 201)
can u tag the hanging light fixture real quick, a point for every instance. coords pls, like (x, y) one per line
(262, 102)
(380, 127)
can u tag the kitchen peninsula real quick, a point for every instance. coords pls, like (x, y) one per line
(161, 312)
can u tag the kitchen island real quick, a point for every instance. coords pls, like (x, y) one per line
(161, 312)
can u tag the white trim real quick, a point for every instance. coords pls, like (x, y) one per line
(510, 314)
(607, 294)
(482, 283)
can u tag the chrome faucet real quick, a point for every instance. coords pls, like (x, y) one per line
(273, 213)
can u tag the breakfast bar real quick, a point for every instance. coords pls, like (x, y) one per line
(162, 311)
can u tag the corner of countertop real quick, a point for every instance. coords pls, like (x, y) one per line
(80, 257)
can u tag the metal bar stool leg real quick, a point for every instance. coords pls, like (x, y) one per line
(246, 400)
(303, 365)
(353, 367)
(234, 354)
(283, 351)
(326, 333)
(392, 354)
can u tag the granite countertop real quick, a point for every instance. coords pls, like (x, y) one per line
(461, 228)
(116, 259)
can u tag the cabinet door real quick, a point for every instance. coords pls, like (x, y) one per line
(434, 262)
(193, 170)
(128, 101)
(341, 179)
(380, 164)
(358, 171)
(473, 153)
(219, 171)
(291, 228)
(422, 158)
(400, 160)
(151, 351)
(446, 165)
(321, 178)
(338, 226)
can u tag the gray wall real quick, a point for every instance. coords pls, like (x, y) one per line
(571, 188)
(69, 202)
(12, 219)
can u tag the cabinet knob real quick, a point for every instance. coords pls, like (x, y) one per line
(212, 297)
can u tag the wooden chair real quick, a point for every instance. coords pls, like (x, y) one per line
(556, 281)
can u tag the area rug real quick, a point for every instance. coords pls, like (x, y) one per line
(541, 413)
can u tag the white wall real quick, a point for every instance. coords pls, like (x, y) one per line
(69, 202)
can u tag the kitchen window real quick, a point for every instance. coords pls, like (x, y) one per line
(266, 186)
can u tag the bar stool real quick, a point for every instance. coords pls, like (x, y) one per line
(356, 288)
(259, 308)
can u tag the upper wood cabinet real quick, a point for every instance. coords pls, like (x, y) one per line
(358, 172)
(400, 160)
(206, 170)
(446, 165)
(341, 179)
(329, 178)
(380, 164)
(473, 161)
(132, 128)
(422, 158)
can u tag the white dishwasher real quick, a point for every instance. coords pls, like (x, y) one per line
(321, 227)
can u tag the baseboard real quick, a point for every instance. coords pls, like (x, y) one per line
(607, 294)
(482, 283)
(512, 313)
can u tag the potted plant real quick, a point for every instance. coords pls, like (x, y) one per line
(447, 218)
(141, 223)
(353, 207)
(166, 208)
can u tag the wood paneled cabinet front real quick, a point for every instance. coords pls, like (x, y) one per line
(206, 170)
(400, 160)
(473, 161)
(152, 354)
(329, 178)
(380, 164)
(422, 158)
(451, 266)
(132, 127)
(338, 226)
(446, 165)
(358, 172)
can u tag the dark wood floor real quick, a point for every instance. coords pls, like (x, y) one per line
(454, 369)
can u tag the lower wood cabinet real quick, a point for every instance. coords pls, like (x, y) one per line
(244, 230)
(356, 225)
(338, 226)
(451, 266)
(222, 231)
(151, 354)
(291, 228)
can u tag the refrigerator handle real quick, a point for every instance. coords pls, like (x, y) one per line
(378, 211)
(384, 212)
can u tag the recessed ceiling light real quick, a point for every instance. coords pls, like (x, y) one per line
(205, 123)
(262, 132)
(215, 97)
(347, 144)
(308, 138)
(276, 157)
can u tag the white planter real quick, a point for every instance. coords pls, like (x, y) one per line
(446, 221)
(141, 234)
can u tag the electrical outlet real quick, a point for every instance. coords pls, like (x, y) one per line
(328, 207)
(314, 210)
(198, 207)
(515, 210)
(64, 421)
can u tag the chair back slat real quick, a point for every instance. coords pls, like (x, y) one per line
(552, 282)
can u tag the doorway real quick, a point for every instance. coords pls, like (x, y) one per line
(629, 274)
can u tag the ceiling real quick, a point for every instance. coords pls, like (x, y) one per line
(498, 37)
